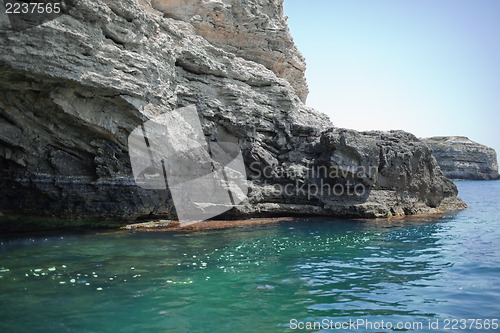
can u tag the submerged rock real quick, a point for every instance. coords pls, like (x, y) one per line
(461, 158)
(265, 287)
(73, 88)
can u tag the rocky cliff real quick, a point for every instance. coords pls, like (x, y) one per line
(461, 158)
(73, 88)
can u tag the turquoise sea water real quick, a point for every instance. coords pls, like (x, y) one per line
(258, 279)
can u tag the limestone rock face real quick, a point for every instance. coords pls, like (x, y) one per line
(461, 158)
(73, 88)
(253, 30)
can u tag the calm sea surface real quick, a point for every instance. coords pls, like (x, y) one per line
(272, 278)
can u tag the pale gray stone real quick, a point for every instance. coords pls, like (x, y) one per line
(461, 158)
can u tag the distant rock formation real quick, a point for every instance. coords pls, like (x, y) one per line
(73, 88)
(461, 158)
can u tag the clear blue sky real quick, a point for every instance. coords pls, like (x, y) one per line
(427, 67)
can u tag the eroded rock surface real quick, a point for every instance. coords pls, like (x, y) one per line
(461, 158)
(72, 89)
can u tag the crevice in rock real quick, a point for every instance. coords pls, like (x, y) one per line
(114, 39)
(192, 70)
